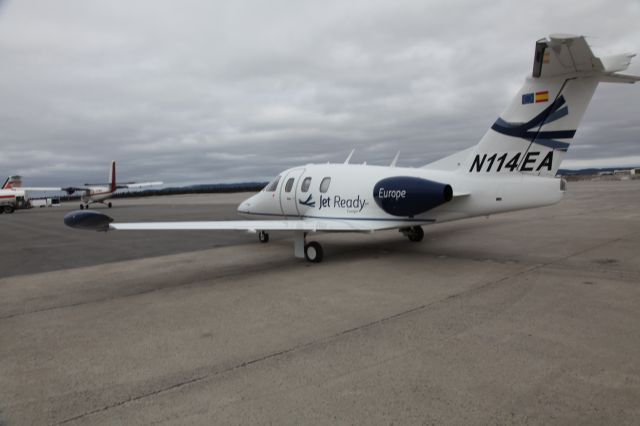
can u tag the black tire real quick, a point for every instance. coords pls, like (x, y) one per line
(263, 237)
(9, 209)
(109, 204)
(81, 206)
(313, 252)
(416, 234)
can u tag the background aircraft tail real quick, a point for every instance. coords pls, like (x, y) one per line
(12, 182)
(533, 134)
(112, 177)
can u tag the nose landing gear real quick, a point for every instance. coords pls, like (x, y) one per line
(263, 237)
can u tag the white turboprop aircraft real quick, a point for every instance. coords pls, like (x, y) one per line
(13, 195)
(98, 192)
(513, 167)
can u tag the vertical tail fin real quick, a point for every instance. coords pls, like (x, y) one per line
(112, 177)
(12, 182)
(533, 134)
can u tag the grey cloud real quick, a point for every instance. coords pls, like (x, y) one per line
(226, 91)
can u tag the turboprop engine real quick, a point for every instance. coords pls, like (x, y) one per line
(410, 196)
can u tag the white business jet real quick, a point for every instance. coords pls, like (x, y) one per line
(513, 167)
(99, 192)
(13, 195)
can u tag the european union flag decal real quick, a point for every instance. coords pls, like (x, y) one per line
(528, 98)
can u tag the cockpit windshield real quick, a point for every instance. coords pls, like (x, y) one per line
(271, 186)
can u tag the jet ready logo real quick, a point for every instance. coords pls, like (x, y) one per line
(308, 202)
(351, 205)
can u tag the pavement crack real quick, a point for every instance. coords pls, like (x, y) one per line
(213, 373)
(184, 283)
(298, 347)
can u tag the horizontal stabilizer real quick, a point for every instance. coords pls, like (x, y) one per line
(620, 78)
(615, 63)
(570, 56)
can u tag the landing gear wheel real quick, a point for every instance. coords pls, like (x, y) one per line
(313, 252)
(263, 237)
(81, 206)
(415, 233)
(109, 204)
(8, 209)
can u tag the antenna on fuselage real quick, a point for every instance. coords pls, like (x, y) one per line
(395, 160)
(349, 156)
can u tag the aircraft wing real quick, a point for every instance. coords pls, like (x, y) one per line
(93, 220)
(36, 188)
(72, 189)
(240, 225)
(137, 185)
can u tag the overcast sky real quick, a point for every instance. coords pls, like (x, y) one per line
(223, 91)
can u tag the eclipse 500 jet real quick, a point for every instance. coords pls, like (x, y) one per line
(513, 167)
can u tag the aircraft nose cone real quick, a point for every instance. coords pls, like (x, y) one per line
(246, 206)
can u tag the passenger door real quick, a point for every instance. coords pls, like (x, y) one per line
(289, 191)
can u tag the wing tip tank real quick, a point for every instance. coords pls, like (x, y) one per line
(88, 219)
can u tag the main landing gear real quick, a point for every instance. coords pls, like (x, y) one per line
(311, 251)
(7, 209)
(86, 206)
(414, 234)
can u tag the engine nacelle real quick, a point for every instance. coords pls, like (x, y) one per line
(410, 196)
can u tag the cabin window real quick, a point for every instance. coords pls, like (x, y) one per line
(271, 187)
(324, 185)
(289, 185)
(305, 184)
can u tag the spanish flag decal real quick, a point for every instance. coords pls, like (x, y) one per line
(542, 96)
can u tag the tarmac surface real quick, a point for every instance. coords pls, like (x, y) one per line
(530, 317)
